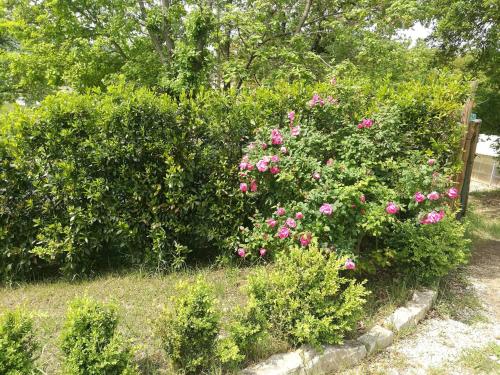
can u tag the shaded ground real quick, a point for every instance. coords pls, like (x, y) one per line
(462, 334)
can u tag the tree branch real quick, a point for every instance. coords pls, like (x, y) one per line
(303, 19)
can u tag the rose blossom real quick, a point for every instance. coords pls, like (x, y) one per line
(276, 137)
(391, 208)
(271, 222)
(280, 211)
(433, 196)
(295, 131)
(452, 193)
(261, 166)
(329, 162)
(291, 223)
(253, 186)
(431, 161)
(250, 167)
(274, 170)
(419, 197)
(291, 116)
(262, 252)
(299, 215)
(349, 264)
(275, 158)
(283, 233)
(316, 175)
(367, 122)
(326, 209)
(243, 187)
(264, 146)
(283, 150)
(305, 239)
(241, 252)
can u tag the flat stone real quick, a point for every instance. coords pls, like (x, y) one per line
(332, 358)
(377, 338)
(278, 364)
(413, 312)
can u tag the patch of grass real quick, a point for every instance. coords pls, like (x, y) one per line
(139, 297)
(483, 360)
(483, 214)
(457, 299)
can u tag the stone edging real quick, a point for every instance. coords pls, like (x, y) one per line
(308, 361)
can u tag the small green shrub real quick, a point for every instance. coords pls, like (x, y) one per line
(189, 330)
(17, 343)
(90, 343)
(307, 297)
(431, 251)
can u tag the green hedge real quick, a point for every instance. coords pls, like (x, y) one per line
(129, 177)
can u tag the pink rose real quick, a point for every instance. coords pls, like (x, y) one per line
(305, 239)
(316, 99)
(250, 167)
(274, 170)
(299, 215)
(360, 126)
(264, 146)
(291, 116)
(431, 161)
(295, 131)
(276, 137)
(441, 214)
(271, 222)
(262, 252)
(452, 193)
(261, 166)
(329, 162)
(243, 187)
(253, 186)
(349, 264)
(275, 158)
(251, 146)
(291, 223)
(419, 197)
(284, 232)
(367, 122)
(280, 211)
(362, 198)
(283, 150)
(316, 175)
(326, 209)
(241, 252)
(433, 196)
(391, 208)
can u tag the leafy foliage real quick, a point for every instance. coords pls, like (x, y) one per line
(18, 346)
(90, 343)
(307, 297)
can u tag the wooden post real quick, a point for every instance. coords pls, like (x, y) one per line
(470, 154)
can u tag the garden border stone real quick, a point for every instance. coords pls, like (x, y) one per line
(309, 361)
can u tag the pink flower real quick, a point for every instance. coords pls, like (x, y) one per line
(241, 252)
(274, 170)
(291, 223)
(299, 215)
(391, 208)
(452, 193)
(349, 264)
(433, 196)
(326, 209)
(280, 211)
(275, 158)
(367, 122)
(266, 159)
(261, 166)
(243, 165)
(441, 215)
(362, 198)
(253, 186)
(291, 116)
(276, 137)
(271, 222)
(431, 161)
(264, 146)
(251, 145)
(316, 175)
(360, 126)
(262, 252)
(419, 197)
(250, 167)
(295, 131)
(305, 239)
(316, 99)
(329, 162)
(283, 150)
(284, 232)
(243, 187)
